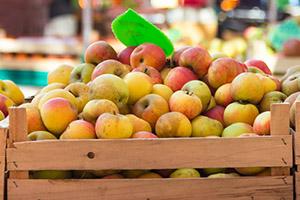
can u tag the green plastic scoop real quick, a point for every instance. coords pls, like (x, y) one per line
(132, 30)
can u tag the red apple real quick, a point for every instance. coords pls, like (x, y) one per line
(110, 67)
(216, 113)
(5, 103)
(176, 55)
(98, 52)
(179, 76)
(291, 48)
(150, 71)
(124, 55)
(258, 64)
(143, 134)
(224, 70)
(197, 59)
(149, 55)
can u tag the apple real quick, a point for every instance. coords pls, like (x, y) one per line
(291, 84)
(247, 87)
(113, 176)
(56, 114)
(82, 174)
(110, 67)
(94, 108)
(269, 84)
(51, 174)
(58, 93)
(291, 48)
(196, 58)
(150, 71)
(11, 90)
(179, 76)
(224, 70)
(98, 52)
(237, 129)
(81, 92)
(124, 55)
(270, 98)
(149, 55)
(261, 124)
(180, 99)
(61, 74)
(212, 104)
(134, 173)
(139, 124)
(33, 116)
(201, 90)
(110, 126)
(52, 86)
(111, 87)
(223, 95)
(82, 73)
(139, 85)
(216, 113)
(40, 135)
(143, 134)
(150, 175)
(176, 55)
(248, 171)
(150, 108)
(164, 72)
(203, 126)
(162, 90)
(258, 64)
(292, 98)
(5, 103)
(255, 70)
(173, 124)
(223, 175)
(209, 171)
(103, 173)
(185, 173)
(79, 129)
(237, 112)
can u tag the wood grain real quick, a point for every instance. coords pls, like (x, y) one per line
(264, 188)
(160, 153)
(3, 138)
(280, 125)
(297, 134)
(17, 133)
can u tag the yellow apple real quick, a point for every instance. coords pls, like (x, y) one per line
(61, 74)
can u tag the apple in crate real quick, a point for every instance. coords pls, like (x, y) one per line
(40, 135)
(124, 55)
(149, 55)
(79, 129)
(185, 173)
(237, 112)
(98, 52)
(150, 175)
(110, 67)
(258, 64)
(185, 102)
(270, 98)
(111, 87)
(150, 71)
(11, 90)
(197, 59)
(223, 95)
(162, 90)
(61, 74)
(173, 124)
(5, 103)
(150, 108)
(57, 113)
(94, 108)
(203, 126)
(82, 73)
(33, 116)
(179, 76)
(224, 70)
(139, 85)
(113, 126)
(139, 124)
(143, 134)
(262, 122)
(50, 87)
(201, 90)
(216, 113)
(237, 129)
(58, 93)
(81, 93)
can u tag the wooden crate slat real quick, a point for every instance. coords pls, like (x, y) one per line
(3, 138)
(266, 188)
(152, 154)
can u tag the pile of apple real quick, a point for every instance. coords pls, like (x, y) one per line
(139, 93)
(10, 95)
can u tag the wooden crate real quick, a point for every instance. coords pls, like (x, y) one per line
(165, 153)
(297, 150)
(3, 142)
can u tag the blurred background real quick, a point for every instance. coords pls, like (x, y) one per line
(38, 35)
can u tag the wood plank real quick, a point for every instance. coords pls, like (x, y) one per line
(17, 133)
(264, 188)
(163, 153)
(280, 125)
(297, 185)
(3, 138)
(297, 134)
